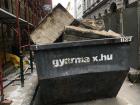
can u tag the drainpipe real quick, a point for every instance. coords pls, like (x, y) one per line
(121, 18)
(139, 19)
(1, 83)
(122, 21)
(138, 11)
(19, 42)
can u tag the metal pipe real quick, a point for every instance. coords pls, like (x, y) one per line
(17, 24)
(19, 43)
(139, 22)
(31, 61)
(122, 21)
(21, 70)
(1, 82)
(28, 32)
(4, 45)
(1, 71)
(138, 8)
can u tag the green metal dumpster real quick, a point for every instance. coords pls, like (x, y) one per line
(83, 70)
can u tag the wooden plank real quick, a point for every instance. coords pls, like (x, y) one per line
(93, 24)
(88, 33)
(52, 26)
(68, 38)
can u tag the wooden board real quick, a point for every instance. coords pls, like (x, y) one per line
(93, 24)
(72, 33)
(67, 38)
(52, 26)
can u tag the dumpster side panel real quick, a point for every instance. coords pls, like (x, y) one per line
(81, 87)
(80, 73)
(78, 60)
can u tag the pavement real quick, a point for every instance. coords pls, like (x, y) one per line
(129, 94)
(22, 95)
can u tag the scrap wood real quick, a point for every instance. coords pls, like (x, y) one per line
(52, 26)
(93, 24)
(6, 102)
(88, 33)
(74, 38)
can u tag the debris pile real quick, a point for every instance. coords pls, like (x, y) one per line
(52, 26)
(59, 24)
(92, 24)
(73, 33)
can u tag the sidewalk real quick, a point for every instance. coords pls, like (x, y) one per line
(128, 95)
(22, 95)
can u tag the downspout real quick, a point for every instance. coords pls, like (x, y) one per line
(121, 18)
(19, 41)
(139, 19)
(138, 11)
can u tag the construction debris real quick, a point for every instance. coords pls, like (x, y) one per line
(6, 102)
(52, 26)
(92, 24)
(73, 33)
(59, 23)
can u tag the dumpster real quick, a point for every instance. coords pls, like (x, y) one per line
(81, 70)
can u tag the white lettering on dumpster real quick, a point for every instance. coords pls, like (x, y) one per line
(65, 61)
(81, 60)
(126, 39)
